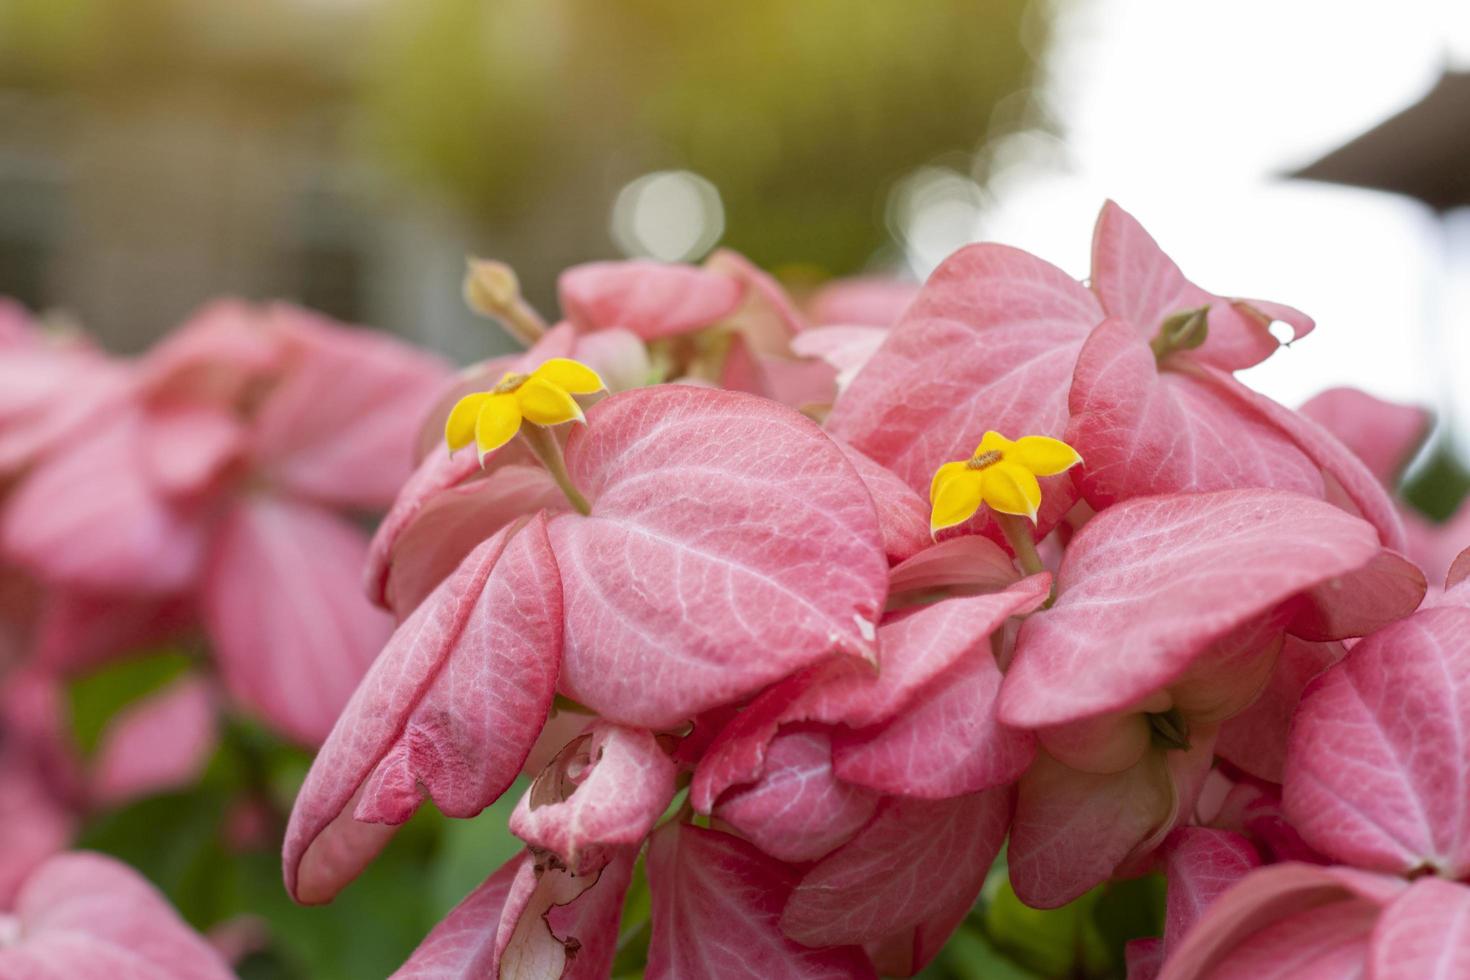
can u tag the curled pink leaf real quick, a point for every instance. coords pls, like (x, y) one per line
(721, 889)
(1136, 281)
(919, 649)
(918, 860)
(1284, 918)
(798, 810)
(605, 790)
(450, 708)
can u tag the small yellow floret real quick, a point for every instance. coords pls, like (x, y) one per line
(491, 418)
(1001, 474)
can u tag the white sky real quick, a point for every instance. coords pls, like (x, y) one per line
(1183, 111)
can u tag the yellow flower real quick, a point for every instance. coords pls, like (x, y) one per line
(1002, 474)
(491, 418)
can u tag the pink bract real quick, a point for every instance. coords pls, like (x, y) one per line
(83, 916)
(723, 527)
(1378, 769)
(724, 890)
(1137, 282)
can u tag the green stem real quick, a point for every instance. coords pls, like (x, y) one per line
(544, 444)
(1018, 535)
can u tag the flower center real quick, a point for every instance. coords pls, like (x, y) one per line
(1169, 729)
(982, 460)
(510, 382)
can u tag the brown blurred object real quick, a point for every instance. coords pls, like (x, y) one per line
(1422, 152)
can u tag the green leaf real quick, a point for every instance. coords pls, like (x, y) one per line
(1052, 942)
(970, 956)
(469, 851)
(97, 697)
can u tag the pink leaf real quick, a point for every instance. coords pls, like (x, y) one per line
(652, 299)
(730, 543)
(83, 916)
(77, 631)
(1424, 934)
(603, 791)
(918, 860)
(222, 350)
(451, 707)
(1201, 864)
(1388, 588)
(990, 343)
(845, 349)
(1459, 570)
(1284, 918)
(903, 516)
(871, 301)
(716, 912)
(619, 357)
(448, 525)
(918, 650)
(340, 426)
(1255, 740)
(1149, 584)
(1142, 430)
(798, 810)
(185, 447)
(1378, 766)
(1136, 281)
(38, 822)
(1349, 483)
(159, 743)
(129, 539)
(947, 742)
(969, 563)
(1074, 829)
(291, 630)
(50, 392)
(766, 319)
(1384, 435)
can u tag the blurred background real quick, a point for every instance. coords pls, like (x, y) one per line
(350, 153)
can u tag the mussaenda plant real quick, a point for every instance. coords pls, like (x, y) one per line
(795, 709)
(821, 632)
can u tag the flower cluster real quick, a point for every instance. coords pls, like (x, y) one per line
(781, 709)
(207, 494)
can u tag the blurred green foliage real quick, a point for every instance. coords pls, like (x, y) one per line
(802, 114)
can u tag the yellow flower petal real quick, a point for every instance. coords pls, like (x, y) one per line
(1011, 489)
(545, 404)
(993, 441)
(498, 422)
(1043, 456)
(943, 475)
(459, 428)
(956, 498)
(570, 376)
